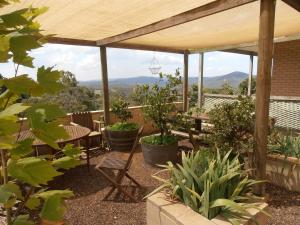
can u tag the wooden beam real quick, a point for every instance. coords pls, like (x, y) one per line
(105, 90)
(185, 81)
(200, 80)
(293, 3)
(263, 84)
(71, 41)
(240, 51)
(190, 15)
(250, 75)
(145, 47)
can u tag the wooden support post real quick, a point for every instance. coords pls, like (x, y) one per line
(265, 53)
(105, 90)
(185, 80)
(200, 80)
(250, 76)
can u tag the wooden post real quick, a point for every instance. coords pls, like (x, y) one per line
(250, 75)
(105, 90)
(265, 54)
(200, 80)
(185, 80)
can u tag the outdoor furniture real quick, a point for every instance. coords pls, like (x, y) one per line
(75, 133)
(198, 121)
(122, 168)
(85, 119)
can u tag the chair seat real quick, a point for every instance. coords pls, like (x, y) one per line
(94, 133)
(112, 163)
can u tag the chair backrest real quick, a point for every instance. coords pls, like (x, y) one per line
(134, 147)
(83, 119)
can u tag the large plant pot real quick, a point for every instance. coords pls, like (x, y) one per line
(121, 140)
(159, 154)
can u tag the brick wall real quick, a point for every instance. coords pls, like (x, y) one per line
(286, 69)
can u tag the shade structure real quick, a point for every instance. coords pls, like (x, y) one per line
(95, 20)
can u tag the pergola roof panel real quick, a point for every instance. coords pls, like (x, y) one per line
(223, 30)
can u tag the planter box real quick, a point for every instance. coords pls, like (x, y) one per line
(163, 212)
(284, 172)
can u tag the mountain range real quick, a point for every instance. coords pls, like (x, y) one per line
(234, 79)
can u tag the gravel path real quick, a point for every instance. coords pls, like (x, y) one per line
(88, 208)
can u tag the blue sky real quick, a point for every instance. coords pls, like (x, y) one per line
(84, 62)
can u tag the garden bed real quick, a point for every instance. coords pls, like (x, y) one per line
(161, 211)
(284, 171)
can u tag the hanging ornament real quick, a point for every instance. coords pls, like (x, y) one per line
(154, 66)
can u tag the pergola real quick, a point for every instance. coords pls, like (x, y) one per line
(183, 27)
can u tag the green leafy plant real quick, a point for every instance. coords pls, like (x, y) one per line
(287, 145)
(120, 109)
(158, 104)
(23, 193)
(233, 125)
(211, 185)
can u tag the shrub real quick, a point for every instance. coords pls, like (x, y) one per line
(211, 185)
(158, 102)
(23, 192)
(233, 125)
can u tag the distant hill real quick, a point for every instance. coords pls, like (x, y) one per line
(233, 78)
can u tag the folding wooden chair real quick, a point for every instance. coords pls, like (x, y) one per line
(122, 168)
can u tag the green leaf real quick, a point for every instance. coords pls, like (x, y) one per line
(60, 193)
(23, 43)
(49, 79)
(33, 203)
(70, 150)
(23, 220)
(23, 148)
(14, 19)
(32, 170)
(49, 112)
(66, 162)
(53, 209)
(9, 193)
(13, 110)
(23, 85)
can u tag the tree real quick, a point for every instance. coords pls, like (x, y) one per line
(25, 177)
(226, 88)
(243, 86)
(68, 79)
(193, 95)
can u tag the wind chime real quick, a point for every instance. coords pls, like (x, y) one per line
(154, 66)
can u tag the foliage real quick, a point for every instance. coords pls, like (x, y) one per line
(72, 98)
(211, 185)
(123, 126)
(158, 140)
(158, 101)
(227, 89)
(193, 95)
(243, 86)
(120, 109)
(287, 145)
(24, 177)
(233, 124)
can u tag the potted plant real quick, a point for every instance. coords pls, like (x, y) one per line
(158, 106)
(121, 134)
(207, 189)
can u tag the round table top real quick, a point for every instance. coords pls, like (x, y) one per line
(74, 132)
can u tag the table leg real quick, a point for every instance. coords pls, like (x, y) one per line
(87, 148)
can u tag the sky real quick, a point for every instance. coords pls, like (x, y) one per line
(84, 62)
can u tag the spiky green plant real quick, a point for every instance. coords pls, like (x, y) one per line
(287, 145)
(211, 185)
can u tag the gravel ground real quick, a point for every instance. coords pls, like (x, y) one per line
(88, 207)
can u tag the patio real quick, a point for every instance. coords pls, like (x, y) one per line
(214, 183)
(87, 207)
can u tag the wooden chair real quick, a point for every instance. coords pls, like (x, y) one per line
(121, 167)
(84, 119)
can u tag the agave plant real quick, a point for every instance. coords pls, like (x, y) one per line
(211, 185)
(287, 145)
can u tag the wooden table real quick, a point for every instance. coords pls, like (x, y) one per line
(199, 119)
(75, 133)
